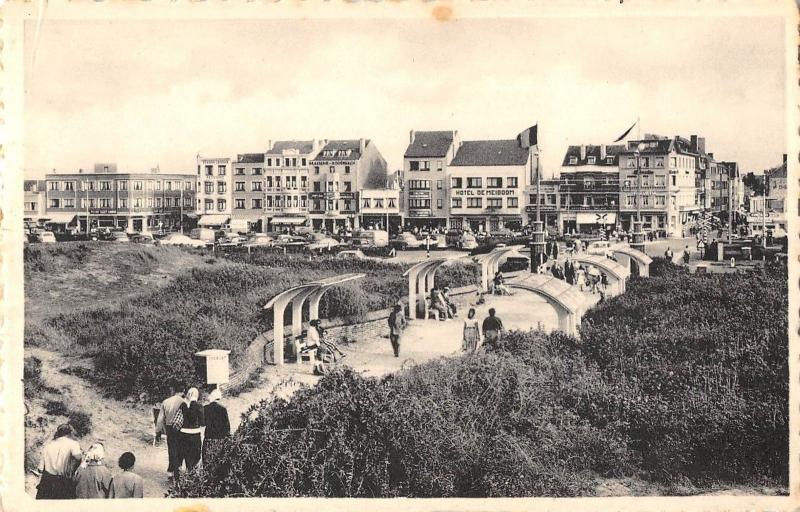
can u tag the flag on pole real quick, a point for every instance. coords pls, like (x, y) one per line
(625, 134)
(528, 137)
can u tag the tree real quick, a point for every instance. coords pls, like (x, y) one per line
(755, 183)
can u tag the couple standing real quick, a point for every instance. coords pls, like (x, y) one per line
(491, 327)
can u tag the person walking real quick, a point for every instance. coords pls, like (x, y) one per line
(686, 255)
(492, 327)
(166, 425)
(189, 436)
(472, 333)
(668, 254)
(57, 465)
(218, 427)
(126, 484)
(397, 322)
(93, 478)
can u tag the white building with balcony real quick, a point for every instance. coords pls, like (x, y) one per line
(213, 197)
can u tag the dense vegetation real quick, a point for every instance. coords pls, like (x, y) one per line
(141, 344)
(682, 379)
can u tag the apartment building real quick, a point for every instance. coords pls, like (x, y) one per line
(339, 171)
(213, 202)
(132, 201)
(775, 187)
(488, 183)
(34, 200)
(247, 212)
(425, 169)
(287, 183)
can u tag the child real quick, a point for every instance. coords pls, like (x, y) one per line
(127, 484)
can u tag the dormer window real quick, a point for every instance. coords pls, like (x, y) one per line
(329, 152)
(609, 160)
(573, 160)
(590, 160)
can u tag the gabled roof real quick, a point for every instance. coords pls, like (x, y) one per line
(490, 152)
(429, 144)
(341, 145)
(612, 151)
(776, 172)
(250, 158)
(303, 147)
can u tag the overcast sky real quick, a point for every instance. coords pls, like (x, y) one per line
(156, 92)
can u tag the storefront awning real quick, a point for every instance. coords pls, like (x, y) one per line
(239, 224)
(291, 221)
(59, 218)
(596, 218)
(213, 220)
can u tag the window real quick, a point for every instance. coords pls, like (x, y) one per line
(123, 203)
(168, 202)
(30, 206)
(331, 204)
(105, 202)
(367, 203)
(674, 180)
(660, 200)
(439, 184)
(198, 170)
(158, 203)
(630, 200)
(588, 183)
(92, 203)
(659, 161)
(511, 182)
(347, 186)
(70, 185)
(439, 204)
(303, 162)
(391, 203)
(69, 203)
(209, 204)
(426, 165)
(347, 169)
(424, 204)
(631, 162)
(609, 160)
(474, 183)
(240, 171)
(278, 181)
(316, 186)
(302, 201)
(239, 186)
(573, 160)
(645, 200)
(209, 187)
(209, 170)
(54, 185)
(269, 162)
(494, 202)
(256, 186)
(255, 204)
(239, 204)
(167, 185)
(221, 187)
(105, 185)
(158, 184)
(330, 187)
(513, 202)
(455, 182)
(660, 181)
(332, 169)
(303, 182)
(257, 171)
(645, 161)
(474, 202)
(137, 185)
(220, 205)
(673, 161)
(187, 185)
(187, 201)
(413, 165)
(150, 202)
(590, 160)
(438, 165)
(316, 169)
(294, 162)
(494, 182)
(456, 202)
(645, 181)
(221, 170)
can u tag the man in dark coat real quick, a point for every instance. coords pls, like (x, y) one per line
(218, 427)
(397, 322)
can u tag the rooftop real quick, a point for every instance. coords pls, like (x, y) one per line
(429, 144)
(612, 151)
(490, 152)
(341, 150)
(303, 147)
(250, 158)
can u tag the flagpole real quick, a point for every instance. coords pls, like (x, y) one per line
(538, 184)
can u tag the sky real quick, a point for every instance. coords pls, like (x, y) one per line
(148, 93)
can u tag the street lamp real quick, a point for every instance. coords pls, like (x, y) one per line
(637, 237)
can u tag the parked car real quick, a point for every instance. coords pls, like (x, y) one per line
(142, 238)
(230, 241)
(405, 241)
(290, 241)
(326, 244)
(180, 239)
(467, 241)
(43, 237)
(259, 240)
(351, 255)
(371, 238)
(119, 236)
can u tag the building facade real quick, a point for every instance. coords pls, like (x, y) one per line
(588, 189)
(135, 202)
(34, 200)
(775, 183)
(338, 172)
(247, 212)
(425, 170)
(213, 203)
(488, 184)
(380, 209)
(287, 183)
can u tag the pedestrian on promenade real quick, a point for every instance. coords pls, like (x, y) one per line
(452, 309)
(60, 457)
(492, 327)
(218, 427)
(93, 478)
(686, 255)
(472, 333)
(189, 435)
(603, 283)
(669, 254)
(127, 484)
(397, 323)
(166, 425)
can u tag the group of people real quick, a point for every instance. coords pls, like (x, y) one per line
(442, 304)
(574, 274)
(194, 432)
(69, 473)
(499, 284)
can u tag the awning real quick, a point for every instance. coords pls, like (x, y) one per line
(239, 224)
(59, 218)
(291, 221)
(596, 218)
(213, 220)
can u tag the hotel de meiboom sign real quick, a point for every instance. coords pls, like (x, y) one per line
(485, 192)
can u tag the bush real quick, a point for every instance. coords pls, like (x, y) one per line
(500, 427)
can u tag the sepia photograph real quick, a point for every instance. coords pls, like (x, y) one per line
(400, 251)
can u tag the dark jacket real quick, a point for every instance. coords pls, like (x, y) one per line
(218, 425)
(492, 323)
(192, 415)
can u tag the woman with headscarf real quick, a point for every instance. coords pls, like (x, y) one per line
(218, 427)
(57, 465)
(193, 421)
(93, 478)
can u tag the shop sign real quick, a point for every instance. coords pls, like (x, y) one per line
(419, 213)
(102, 211)
(485, 192)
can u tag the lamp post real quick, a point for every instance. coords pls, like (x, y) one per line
(637, 238)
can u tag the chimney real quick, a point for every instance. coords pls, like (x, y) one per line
(361, 146)
(785, 161)
(80, 171)
(411, 137)
(269, 144)
(583, 152)
(693, 144)
(602, 151)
